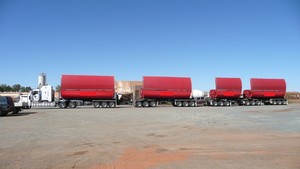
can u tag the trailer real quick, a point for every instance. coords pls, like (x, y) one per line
(156, 89)
(265, 91)
(99, 90)
(228, 92)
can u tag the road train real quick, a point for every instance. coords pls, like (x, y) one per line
(100, 91)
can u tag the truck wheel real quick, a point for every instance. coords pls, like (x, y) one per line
(152, 104)
(62, 105)
(192, 104)
(96, 104)
(252, 103)
(104, 104)
(178, 104)
(111, 104)
(215, 103)
(72, 104)
(279, 102)
(258, 103)
(185, 104)
(138, 104)
(145, 104)
(226, 103)
(220, 103)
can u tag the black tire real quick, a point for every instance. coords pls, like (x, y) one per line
(72, 105)
(104, 104)
(220, 103)
(145, 104)
(3, 113)
(185, 104)
(62, 105)
(227, 103)
(192, 104)
(138, 104)
(152, 104)
(258, 103)
(111, 104)
(215, 103)
(178, 104)
(16, 110)
(96, 104)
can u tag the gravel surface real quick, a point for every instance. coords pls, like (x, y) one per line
(152, 138)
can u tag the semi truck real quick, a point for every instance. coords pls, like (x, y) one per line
(43, 94)
(177, 90)
(99, 90)
(227, 92)
(265, 91)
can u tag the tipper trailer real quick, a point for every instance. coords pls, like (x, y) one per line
(99, 90)
(265, 91)
(177, 90)
(228, 92)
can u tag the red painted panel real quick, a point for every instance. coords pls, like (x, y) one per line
(227, 88)
(87, 87)
(157, 87)
(267, 88)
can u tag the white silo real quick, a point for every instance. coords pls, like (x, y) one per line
(42, 80)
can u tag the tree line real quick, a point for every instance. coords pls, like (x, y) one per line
(14, 88)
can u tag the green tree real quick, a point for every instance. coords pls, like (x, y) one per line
(57, 88)
(16, 87)
(27, 89)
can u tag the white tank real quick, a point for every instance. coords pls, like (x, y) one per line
(42, 80)
(197, 93)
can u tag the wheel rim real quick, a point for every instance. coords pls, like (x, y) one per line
(104, 104)
(215, 104)
(138, 104)
(191, 104)
(145, 104)
(185, 104)
(96, 104)
(72, 105)
(247, 103)
(62, 105)
(179, 104)
(111, 104)
(152, 104)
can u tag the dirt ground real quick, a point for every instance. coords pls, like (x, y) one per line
(152, 138)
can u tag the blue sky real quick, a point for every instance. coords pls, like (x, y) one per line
(129, 39)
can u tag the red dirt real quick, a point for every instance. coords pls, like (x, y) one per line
(133, 158)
